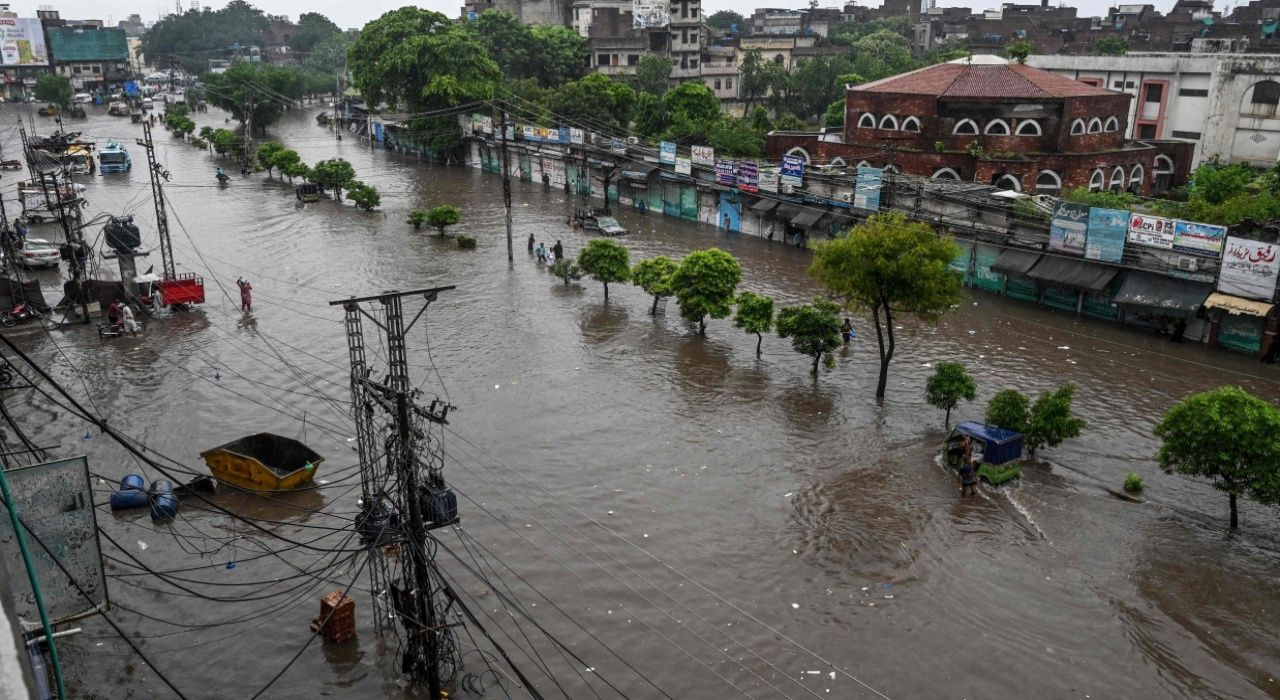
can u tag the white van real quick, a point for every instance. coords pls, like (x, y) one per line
(82, 98)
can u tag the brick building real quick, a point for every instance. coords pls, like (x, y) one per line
(987, 120)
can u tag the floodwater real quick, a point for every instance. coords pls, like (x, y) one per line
(719, 525)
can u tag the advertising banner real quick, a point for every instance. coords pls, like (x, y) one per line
(792, 171)
(866, 190)
(530, 133)
(1249, 269)
(748, 176)
(667, 154)
(684, 166)
(646, 14)
(576, 136)
(22, 43)
(1152, 231)
(1198, 239)
(486, 125)
(565, 135)
(1069, 228)
(704, 155)
(726, 172)
(617, 145)
(1107, 231)
(767, 180)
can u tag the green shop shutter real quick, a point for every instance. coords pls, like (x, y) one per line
(1102, 304)
(1061, 298)
(983, 277)
(655, 197)
(526, 167)
(671, 198)
(1241, 333)
(689, 202)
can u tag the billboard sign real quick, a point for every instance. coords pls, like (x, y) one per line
(866, 190)
(1249, 269)
(646, 14)
(726, 172)
(1199, 239)
(684, 166)
(667, 153)
(1151, 231)
(1069, 228)
(22, 43)
(748, 176)
(704, 155)
(793, 171)
(767, 180)
(1107, 230)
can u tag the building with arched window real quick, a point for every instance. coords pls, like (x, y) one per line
(988, 120)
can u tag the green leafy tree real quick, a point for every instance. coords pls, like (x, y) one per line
(266, 155)
(364, 196)
(567, 270)
(755, 80)
(1051, 421)
(892, 267)
(760, 121)
(333, 174)
(287, 161)
(834, 116)
(754, 315)
(653, 74)
(1019, 50)
(560, 54)
(814, 330)
(812, 84)
(54, 89)
(849, 33)
(653, 275)
(418, 217)
(704, 285)
(443, 216)
(191, 38)
(253, 90)
(948, 384)
(1105, 199)
(313, 28)
(881, 54)
(328, 59)
(1228, 436)
(692, 109)
(225, 141)
(1110, 46)
(736, 138)
(1009, 409)
(788, 122)
(507, 40)
(725, 20)
(650, 116)
(605, 261)
(596, 98)
(1215, 183)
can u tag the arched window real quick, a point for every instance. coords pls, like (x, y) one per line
(946, 174)
(1164, 165)
(997, 127)
(1097, 181)
(888, 169)
(1077, 127)
(1007, 182)
(867, 121)
(1164, 174)
(863, 164)
(797, 151)
(1028, 127)
(889, 121)
(779, 59)
(838, 162)
(1136, 175)
(1112, 124)
(911, 124)
(965, 127)
(1048, 182)
(1095, 126)
(1262, 99)
(1117, 179)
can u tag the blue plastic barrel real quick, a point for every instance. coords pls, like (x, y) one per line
(134, 482)
(129, 498)
(164, 505)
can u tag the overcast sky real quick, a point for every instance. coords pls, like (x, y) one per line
(355, 14)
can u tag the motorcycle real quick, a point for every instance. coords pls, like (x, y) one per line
(19, 313)
(223, 178)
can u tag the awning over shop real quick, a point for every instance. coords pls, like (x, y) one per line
(1238, 305)
(1158, 291)
(786, 212)
(1072, 273)
(1015, 262)
(807, 217)
(639, 172)
(764, 206)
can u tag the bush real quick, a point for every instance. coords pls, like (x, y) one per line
(1105, 200)
(466, 242)
(567, 270)
(1051, 421)
(1132, 483)
(1009, 409)
(418, 217)
(365, 196)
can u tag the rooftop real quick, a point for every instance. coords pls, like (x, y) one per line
(983, 77)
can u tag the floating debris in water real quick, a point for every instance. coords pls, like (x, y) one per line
(142, 545)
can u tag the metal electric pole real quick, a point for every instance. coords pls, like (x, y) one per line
(403, 494)
(157, 195)
(506, 185)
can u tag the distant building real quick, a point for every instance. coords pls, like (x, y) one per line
(24, 53)
(990, 121)
(93, 58)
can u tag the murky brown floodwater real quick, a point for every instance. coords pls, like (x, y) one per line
(742, 501)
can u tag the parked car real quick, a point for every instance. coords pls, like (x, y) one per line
(82, 98)
(37, 252)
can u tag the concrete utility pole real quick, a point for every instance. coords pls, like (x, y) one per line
(403, 574)
(506, 185)
(157, 195)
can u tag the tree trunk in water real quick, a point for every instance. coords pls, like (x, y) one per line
(606, 291)
(441, 231)
(1235, 517)
(702, 325)
(759, 340)
(653, 310)
(886, 354)
(947, 421)
(816, 358)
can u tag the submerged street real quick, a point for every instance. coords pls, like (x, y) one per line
(724, 524)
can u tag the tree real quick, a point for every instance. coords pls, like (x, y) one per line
(653, 74)
(754, 315)
(1110, 46)
(735, 138)
(191, 38)
(507, 41)
(788, 122)
(364, 196)
(288, 162)
(333, 174)
(1019, 50)
(1226, 435)
(654, 277)
(692, 108)
(247, 86)
(834, 116)
(417, 217)
(704, 285)
(328, 58)
(313, 28)
(814, 330)
(1051, 421)
(881, 54)
(754, 82)
(1009, 409)
(949, 383)
(596, 98)
(54, 89)
(650, 116)
(892, 267)
(443, 216)
(567, 270)
(813, 82)
(605, 261)
(726, 20)
(560, 54)
(266, 155)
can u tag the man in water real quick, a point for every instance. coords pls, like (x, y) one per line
(246, 294)
(531, 243)
(558, 250)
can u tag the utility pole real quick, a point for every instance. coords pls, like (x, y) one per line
(54, 180)
(248, 130)
(506, 185)
(402, 569)
(157, 195)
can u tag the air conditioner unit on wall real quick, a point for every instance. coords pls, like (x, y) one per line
(1188, 264)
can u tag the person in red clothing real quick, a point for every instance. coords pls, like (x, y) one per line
(246, 294)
